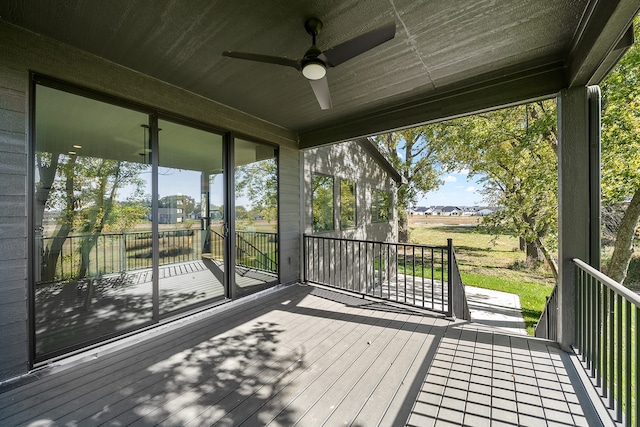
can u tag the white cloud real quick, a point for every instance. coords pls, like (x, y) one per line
(462, 172)
(450, 178)
(472, 189)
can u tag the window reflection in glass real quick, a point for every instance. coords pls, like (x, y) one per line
(322, 203)
(381, 206)
(92, 212)
(256, 216)
(191, 237)
(347, 204)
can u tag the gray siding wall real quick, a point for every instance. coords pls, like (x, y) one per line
(290, 219)
(350, 161)
(22, 51)
(13, 223)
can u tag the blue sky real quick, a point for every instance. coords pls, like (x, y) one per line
(457, 190)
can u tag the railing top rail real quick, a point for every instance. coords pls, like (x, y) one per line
(257, 232)
(313, 236)
(609, 282)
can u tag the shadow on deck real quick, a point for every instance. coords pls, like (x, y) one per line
(309, 356)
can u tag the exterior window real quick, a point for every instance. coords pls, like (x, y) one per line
(347, 204)
(381, 206)
(322, 201)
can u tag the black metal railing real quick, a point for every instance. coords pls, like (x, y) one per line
(608, 340)
(258, 250)
(547, 326)
(111, 253)
(419, 275)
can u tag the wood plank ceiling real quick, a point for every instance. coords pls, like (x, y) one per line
(447, 59)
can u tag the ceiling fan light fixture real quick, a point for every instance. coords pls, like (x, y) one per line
(314, 70)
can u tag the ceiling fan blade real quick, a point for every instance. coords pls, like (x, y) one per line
(354, 47)
(264, 58)
(321, 89)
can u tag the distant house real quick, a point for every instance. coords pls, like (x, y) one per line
(451, 211)
(420, 210)
(436, 210)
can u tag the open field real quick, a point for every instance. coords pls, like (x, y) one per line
(488, 262)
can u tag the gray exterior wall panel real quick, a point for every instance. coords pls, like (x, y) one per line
(21, 52)
(12, 142)
(12, 163)
(289, 215)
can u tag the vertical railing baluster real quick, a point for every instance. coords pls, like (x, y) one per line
(612, 349)
(597, 360)
(636, 389)
(390, 271)
(619, 357)
(413, 273)
(627, 363)
(422, 272)
(604, 368)
(433, 283)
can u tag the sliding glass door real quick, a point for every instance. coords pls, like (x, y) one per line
(135, 219)
(191, 240)
(92, 221)
(256, 216)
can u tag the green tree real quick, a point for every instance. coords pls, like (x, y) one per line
(514, 152)
(411, 154)
(621, 153)
(85, 191)
(322, 203)
(258, 182)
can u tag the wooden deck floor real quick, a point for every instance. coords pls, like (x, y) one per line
(309, 356)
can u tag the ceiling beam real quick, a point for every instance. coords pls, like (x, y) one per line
(601, 39)
(536, 83)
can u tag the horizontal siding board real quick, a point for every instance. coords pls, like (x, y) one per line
(13, 142)
(14, 285)
(13, 185)
(12, 121)
(11, 100)
(14, 332)
(13, 163)
(13, 269)
(14, 313)
(13, 292)
(13, 205)
(16, 361)
(14, 248)
(13, 227)
(13, 79)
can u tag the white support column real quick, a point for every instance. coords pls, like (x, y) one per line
(574, 211)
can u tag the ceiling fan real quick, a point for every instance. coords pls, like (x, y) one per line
(315, 62)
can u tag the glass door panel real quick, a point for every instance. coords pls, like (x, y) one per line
(91, 213)
(190, 221)
(256, 216)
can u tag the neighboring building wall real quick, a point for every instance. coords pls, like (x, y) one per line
(22, 51)
(350, 161)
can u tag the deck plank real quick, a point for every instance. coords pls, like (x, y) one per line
(309, 356)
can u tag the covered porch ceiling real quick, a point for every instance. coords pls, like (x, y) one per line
(447, 58)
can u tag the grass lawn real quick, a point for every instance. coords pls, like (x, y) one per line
(488, 262)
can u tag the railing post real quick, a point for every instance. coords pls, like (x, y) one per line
(450, 312)
(304, 258)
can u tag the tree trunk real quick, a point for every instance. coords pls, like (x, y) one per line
(522, 243)
(549, 258)
(623, 247)
(403, 229)
(534, 252)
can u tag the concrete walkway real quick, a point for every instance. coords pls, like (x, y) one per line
(496, 309)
